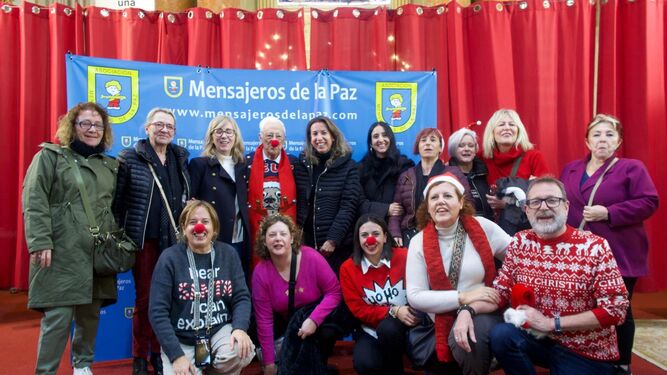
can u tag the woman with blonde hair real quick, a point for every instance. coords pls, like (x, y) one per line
(509, 153)
(218, 177)
(63, 284)
(328, 191)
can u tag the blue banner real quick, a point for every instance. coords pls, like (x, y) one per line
(353, 100)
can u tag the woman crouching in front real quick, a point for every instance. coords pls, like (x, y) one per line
(199, 272)
(449, 272)
(294, 292)
(373, 284)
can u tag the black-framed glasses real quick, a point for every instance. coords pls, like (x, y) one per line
(159, 125)
(85, 125)
(552, 202)
(227, 132)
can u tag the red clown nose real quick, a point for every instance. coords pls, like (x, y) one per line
(199, 228)
(275, 143)
(370, 241)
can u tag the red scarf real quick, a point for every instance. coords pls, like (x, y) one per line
(439, 280)
(256, 210)
(502, 163)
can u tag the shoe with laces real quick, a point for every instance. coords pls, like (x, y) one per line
(82, 371)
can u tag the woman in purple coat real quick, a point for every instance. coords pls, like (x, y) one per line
(625, 198)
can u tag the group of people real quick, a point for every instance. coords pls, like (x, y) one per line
(279, 256)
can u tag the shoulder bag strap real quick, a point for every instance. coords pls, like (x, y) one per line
(515, 167)
(164, 199)
(292, 286)
(595, 189)
(85, 199)
(457, 255)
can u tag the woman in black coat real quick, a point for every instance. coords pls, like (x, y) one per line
(463, 149)
(218, 177)
(379, 170)
(328, 191)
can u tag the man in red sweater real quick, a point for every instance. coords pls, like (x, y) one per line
(579, 293)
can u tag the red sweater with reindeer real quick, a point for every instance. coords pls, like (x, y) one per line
(370, 295)
(572, 273)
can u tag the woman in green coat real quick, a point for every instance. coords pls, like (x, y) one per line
(63, 285)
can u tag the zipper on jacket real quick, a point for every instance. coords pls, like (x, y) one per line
(317, 183)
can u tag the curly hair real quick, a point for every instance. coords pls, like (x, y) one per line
(260, 239)
(66, 132)
(424, 217)
(339, 148)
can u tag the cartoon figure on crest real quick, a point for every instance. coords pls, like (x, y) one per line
(396, 101)
(113, 88)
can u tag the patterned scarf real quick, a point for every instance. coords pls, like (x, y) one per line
(440, 281)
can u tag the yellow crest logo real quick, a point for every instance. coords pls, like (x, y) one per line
(173, 86)
(396, 104)
(115, 89)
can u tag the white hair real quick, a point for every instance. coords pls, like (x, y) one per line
(270, 119)
(456, 138)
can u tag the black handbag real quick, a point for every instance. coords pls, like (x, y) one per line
(113, 252)
(512, 218)
(421, 341)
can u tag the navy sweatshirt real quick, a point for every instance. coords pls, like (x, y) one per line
(172, 296)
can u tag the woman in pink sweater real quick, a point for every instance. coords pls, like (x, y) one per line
(316, 293)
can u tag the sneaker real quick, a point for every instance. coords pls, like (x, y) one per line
(156, 362)
(82, 371)
(139, 366)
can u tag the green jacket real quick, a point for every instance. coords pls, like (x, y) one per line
(54, 219)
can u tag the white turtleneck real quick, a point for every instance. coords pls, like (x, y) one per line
(227, 163)
(471, 276)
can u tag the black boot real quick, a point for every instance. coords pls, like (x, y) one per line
(156, 362)
(139, 366)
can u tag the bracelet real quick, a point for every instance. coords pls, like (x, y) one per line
(468, 308)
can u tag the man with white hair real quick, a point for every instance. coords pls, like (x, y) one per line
(577, 294)
(271, 187)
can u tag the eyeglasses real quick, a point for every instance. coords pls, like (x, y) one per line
(227, 132)
(552, 202)
(85, 125)
(277, 136)
(159, 125)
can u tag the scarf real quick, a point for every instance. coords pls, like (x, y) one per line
(440, 281)
(256, 209)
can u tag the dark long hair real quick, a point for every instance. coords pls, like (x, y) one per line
(370, 163)
(357, 251)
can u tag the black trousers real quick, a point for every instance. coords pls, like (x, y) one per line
(382, 355)
(626, 331)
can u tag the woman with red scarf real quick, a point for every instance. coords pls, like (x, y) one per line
(509, 153)
(449, 271)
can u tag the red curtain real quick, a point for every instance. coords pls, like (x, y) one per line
(536, 56)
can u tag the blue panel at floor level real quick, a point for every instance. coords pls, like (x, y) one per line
(114, 334)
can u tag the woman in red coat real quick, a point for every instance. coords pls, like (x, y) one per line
(373, 285)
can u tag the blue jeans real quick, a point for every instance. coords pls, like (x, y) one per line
(518, 352)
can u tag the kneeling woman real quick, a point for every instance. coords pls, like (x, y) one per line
(385, 317)
(455, 241)
(199, 272)
(305, 306)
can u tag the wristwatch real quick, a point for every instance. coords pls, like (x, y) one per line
(392, 312)
(557, 327)
(467, 308)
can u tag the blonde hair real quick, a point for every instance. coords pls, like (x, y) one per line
(489, 141)
(66, 132)
(209, 143)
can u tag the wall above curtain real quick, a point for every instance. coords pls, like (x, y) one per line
(536, 56)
